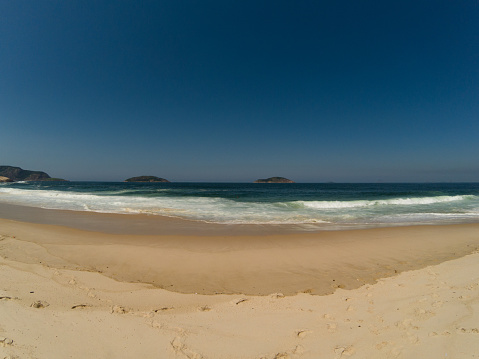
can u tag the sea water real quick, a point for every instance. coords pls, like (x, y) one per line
(321, 205)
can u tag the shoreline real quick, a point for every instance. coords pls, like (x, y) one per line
(147, 224)
(142, 224)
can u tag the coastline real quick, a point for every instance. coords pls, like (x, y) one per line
(394, 292)
(141, 224)
(212, 208)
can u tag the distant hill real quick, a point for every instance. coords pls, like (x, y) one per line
(146, 179)
(274, 180)
(18, 174)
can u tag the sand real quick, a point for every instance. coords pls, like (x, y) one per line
(408, 292)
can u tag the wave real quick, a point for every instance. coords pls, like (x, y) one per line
(207, 209)
(384, 202)
(218, 209)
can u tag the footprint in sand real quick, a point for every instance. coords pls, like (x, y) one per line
(5, 342)
(471, 286)
(435, 334)
(332, 327)
(180, 348)
(7, 298)
(282, 356)
(39, 304)
(162, 309)
(298, 350)
(413, 338)
(423, 314)
(238, 301)
(119, 309)
(376, 330)
(344, 351)
(406, 324)
(303, 333)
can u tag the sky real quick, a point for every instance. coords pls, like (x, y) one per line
(232, 91)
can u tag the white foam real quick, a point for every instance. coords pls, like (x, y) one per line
(222, 210)
(384, 202)
(428, 217)
(209, 209)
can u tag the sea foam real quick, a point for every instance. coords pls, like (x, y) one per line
(345, 206)
(386, 202)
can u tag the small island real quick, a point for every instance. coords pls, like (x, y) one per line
(274, 180)
(146, 179)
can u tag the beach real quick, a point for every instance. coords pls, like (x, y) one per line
(396, 292)
(239, 180)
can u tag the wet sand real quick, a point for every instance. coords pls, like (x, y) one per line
(316, 263)
(139, 224)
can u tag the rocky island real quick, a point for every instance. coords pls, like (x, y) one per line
(12, 174)
(146, 179)
(274, 180)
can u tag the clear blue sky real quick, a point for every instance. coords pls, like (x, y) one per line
(315, 91)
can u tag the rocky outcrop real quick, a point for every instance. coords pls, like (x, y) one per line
(274, 180)
(146, 179)
(5, 179)
(18, 174)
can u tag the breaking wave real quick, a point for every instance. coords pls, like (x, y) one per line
(384, 202)
(243, 204)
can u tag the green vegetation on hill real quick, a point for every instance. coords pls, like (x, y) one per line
(274, 180)
(146, 179)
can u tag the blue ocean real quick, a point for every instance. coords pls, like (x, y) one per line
(315, 205)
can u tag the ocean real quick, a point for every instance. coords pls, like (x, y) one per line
(313, 205)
